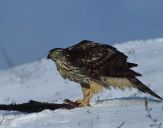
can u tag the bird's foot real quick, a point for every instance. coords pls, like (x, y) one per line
(72, 103)
(82, 103)
(77, 103)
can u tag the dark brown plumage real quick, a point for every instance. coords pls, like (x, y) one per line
(96, 65)
(100, 60)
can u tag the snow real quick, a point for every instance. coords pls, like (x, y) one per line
(41, 81)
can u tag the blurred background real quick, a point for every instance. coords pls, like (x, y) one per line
(30, 28)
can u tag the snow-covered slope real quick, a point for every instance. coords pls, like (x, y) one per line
(41, 81)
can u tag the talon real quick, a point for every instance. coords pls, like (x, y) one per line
(77, 103)
(82, 103)
(67, 101)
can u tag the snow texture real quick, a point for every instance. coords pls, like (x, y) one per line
(110, 109)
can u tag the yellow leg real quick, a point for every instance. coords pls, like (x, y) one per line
(88, 92)
(87, 95)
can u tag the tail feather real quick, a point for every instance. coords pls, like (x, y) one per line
(131, 65)
(143, 88)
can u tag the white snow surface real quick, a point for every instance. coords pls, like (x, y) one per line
(110, 109)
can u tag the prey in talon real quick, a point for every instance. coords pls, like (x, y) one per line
(96, 67)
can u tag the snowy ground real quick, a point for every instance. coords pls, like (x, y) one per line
(40, 81)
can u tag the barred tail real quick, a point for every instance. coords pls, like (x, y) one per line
(143, 88)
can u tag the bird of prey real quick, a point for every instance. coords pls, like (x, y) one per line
(96, 66)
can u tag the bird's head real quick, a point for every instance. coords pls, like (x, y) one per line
(56, 54)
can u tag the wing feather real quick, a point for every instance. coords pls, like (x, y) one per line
(95, 60)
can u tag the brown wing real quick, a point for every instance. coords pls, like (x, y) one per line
(95, 60)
